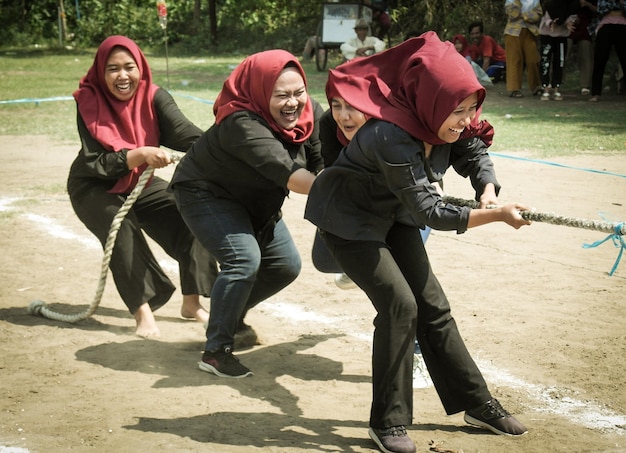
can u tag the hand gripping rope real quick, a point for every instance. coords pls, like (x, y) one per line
(38, 307)
(615, 230)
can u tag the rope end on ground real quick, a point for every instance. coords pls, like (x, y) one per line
(35, 307)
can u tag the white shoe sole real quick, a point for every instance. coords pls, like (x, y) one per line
(211, 369)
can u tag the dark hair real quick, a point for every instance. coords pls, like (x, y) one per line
(475, 24)
(561, 9)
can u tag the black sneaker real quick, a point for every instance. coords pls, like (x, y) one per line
(493, 417)
(392, 440)
(223, 364)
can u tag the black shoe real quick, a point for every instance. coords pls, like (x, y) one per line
(392, 440)
(245, 337)
(493, 417)
(223, 364)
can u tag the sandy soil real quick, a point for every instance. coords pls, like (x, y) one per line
(539, 312)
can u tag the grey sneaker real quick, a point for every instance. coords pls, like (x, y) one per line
(392, 440)
(493, 417)
(223, 364)
(344, 282)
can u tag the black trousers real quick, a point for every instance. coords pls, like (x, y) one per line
(136, 272)
(609, 36)
(398, 279)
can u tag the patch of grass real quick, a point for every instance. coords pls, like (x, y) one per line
(544, 129)
(7, 216)
(26, 202)
(527, 125)
(50, 189)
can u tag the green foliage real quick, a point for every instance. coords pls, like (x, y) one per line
(448, 17)
(29, 23)
(244, 26)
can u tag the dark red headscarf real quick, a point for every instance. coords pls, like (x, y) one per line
(250, 86)
(119, 124)
(415, 85)
(331, 93)
(464, 44)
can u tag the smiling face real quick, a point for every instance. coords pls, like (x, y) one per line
(348, 119)
(361, 33)
(475, 35)
(451, 129)
(121, 74)
(288, 98)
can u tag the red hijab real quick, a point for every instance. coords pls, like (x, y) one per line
(119, 124)
(464, 45)
(415, 85)
(332, 93)
(250, 86)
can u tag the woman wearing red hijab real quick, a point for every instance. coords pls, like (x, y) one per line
(461, 45)
(423, 101)
(232, 183)
(123, 119)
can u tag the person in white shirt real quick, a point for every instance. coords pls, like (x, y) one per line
(361, 45)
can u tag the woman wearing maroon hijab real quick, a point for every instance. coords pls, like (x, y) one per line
(123, 119)
(230, 188)
(423, 101)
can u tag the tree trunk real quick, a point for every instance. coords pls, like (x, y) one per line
(213, 21)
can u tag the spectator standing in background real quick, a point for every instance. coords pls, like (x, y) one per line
(610, 32)
(557, 23)
(581, 38)
(520, 45)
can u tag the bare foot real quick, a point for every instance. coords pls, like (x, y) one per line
(146, 325)
(192, 309)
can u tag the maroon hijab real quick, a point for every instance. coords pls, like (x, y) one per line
(332, 93)
(119, 124)
(415, 85)
(465, 46)
(250, 86)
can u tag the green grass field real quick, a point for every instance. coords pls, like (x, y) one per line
(526, 126)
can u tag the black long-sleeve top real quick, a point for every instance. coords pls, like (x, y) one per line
(243, 159)
(383, 177)
(95, 165)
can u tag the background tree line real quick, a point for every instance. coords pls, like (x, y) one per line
(219, 26)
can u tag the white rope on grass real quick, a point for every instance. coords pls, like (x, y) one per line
(39, 307)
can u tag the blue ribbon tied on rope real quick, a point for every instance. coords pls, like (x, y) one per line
(618, 241)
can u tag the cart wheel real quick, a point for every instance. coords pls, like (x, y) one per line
(321, 57)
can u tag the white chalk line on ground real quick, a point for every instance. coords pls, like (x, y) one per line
(590, 414)
(586, 413)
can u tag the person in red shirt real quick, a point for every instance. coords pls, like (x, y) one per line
(486, 52)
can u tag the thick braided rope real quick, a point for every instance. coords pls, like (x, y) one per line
(605, 227)
(38, 307)
(615, 230)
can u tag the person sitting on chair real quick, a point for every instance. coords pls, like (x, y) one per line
(361, 45)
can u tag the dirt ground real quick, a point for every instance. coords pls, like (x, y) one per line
(541, 315)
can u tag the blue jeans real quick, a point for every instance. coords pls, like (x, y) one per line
(249, 273)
